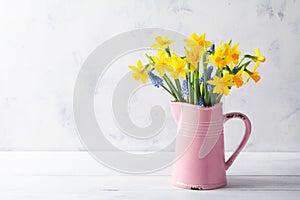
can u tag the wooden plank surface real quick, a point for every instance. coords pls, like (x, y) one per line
(75, 175)
(143, 187)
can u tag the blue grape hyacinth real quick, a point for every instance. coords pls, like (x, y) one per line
(201, 102)
(235, 70)
(209, 72)
(208, 77)
(212, 48)
(184, 89)
(210, 87)
(156, 81)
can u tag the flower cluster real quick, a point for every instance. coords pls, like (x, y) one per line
(204, 74)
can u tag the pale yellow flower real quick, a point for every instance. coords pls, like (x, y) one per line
(140, 72)
(162, 42)
(222, 84)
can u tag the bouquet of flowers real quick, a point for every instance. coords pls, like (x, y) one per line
(201, 76)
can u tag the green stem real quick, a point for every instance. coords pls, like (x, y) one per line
(241, 61)
(167, 90)
(244, 65)
(218, 99)
(173, 93)
(190, 96)
(150, 59)
(196, 85)
(168, 51)
(172, 88)
(205, 91)
(177, 82)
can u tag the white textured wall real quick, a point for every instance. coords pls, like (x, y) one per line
(43, 44)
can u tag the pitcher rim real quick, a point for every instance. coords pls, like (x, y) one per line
(216, 106)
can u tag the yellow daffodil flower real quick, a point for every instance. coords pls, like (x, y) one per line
(221, 55)
(178, 65)
(221, 84)
(238, 81)
(197, 41)
(140, 72)
(162, 42)
(237, 78)
(225, 55)
(161, 63)
(235, 54)
(193, 57)
(254, 75)
(259, 58)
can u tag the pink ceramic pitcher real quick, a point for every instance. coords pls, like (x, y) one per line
(200, 160)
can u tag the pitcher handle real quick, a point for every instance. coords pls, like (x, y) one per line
(247, 123)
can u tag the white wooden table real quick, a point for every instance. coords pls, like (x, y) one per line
(76, 175)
